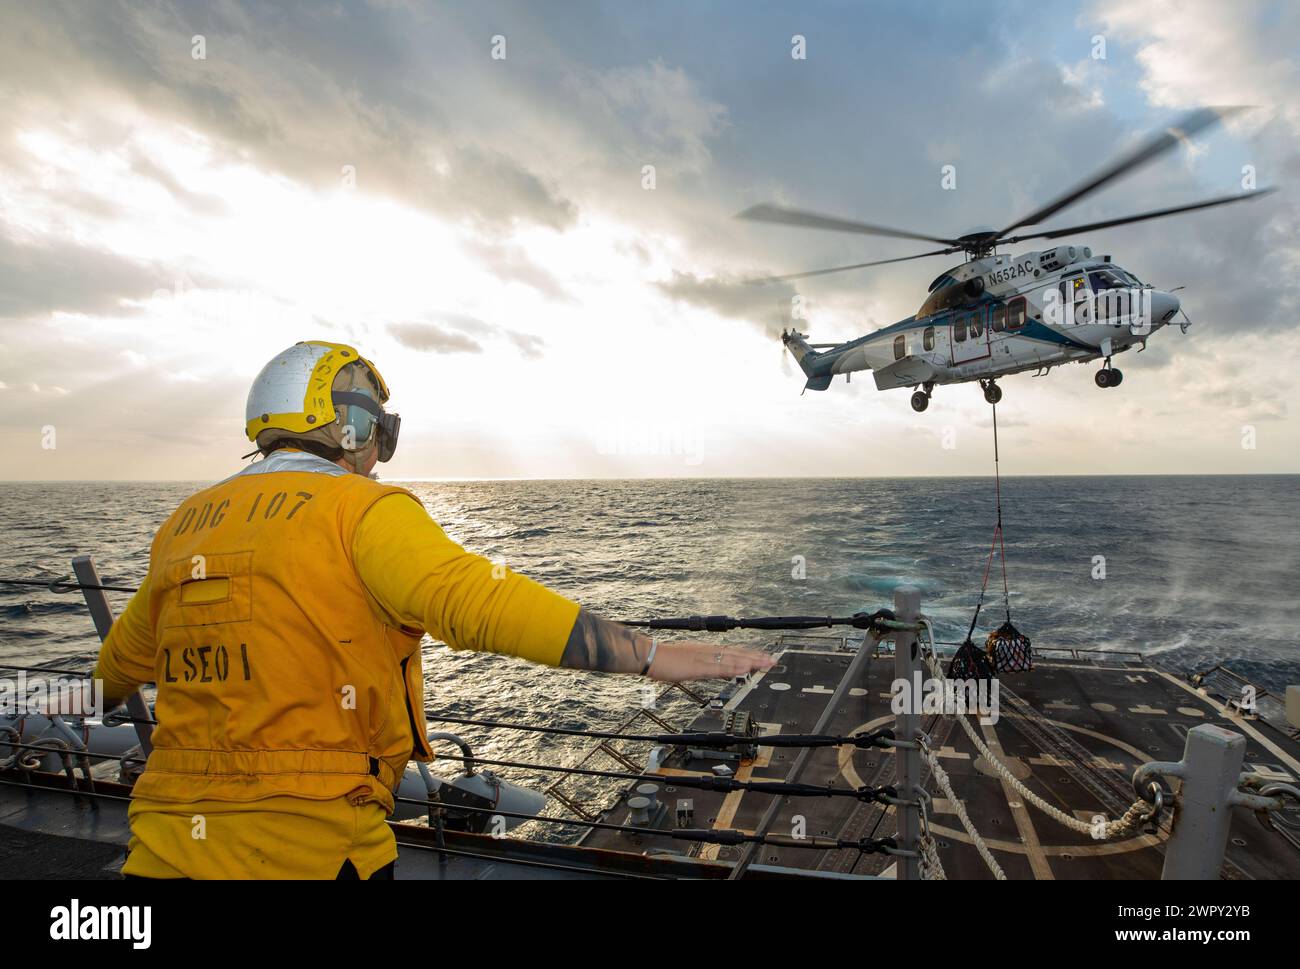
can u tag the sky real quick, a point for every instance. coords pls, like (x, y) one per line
(524, 214)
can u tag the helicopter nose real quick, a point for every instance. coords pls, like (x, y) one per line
(1163, 307)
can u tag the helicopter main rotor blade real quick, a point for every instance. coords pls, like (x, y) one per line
(1153, 147)
(811, 220)
(859, 265)
(1125, 220)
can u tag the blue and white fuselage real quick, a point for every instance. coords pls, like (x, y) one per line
(1001, 315)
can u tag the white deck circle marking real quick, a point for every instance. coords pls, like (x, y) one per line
(779, 687)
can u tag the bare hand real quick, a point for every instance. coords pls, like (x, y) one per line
(676, 662)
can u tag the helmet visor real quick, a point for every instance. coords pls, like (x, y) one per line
(364, 414)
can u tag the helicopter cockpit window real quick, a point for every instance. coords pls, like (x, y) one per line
(1073, 289)
(900, 347)
(927, 338)
(998, 323)
(1103, 279)
(1016, 313)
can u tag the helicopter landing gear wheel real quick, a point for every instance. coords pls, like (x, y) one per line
(1116, 377)
(992, 392)
(1109, 377)
(920, 401)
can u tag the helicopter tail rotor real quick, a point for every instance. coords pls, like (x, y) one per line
(797, 346)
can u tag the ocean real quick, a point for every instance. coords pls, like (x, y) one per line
(1191, 570)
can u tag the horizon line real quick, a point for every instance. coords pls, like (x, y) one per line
(754, 477)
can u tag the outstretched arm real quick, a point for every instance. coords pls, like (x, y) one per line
(610, 647)
(423, 579)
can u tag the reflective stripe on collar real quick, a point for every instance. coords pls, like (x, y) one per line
(291, 461)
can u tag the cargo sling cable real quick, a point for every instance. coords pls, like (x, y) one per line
(1008, 649)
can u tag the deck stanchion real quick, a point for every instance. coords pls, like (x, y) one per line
(1211, 771)
(907, 665)
(102, 614)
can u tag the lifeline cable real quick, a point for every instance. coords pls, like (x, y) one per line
(701, 782)
(59, 585)
(878, 622)
(874, 738)
(718, 836)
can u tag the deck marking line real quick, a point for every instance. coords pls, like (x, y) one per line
(1024, 823)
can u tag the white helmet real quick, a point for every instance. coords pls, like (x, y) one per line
(323, 394)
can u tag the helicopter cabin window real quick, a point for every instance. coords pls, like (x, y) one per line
(976, 326)
(959, 329)
(900, 347)
(927, 338)
(998, 318)
(1016, 313)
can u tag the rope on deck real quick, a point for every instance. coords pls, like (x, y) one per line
(959, 808)
(1130, 822)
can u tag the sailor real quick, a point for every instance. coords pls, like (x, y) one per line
(281, 620)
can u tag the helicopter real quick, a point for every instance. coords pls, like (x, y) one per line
(997, 314)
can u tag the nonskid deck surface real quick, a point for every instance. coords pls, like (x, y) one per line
(1086, 725)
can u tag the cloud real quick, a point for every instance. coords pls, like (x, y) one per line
(764, 305)
(530, 346)
(512, 190)
(660, 113)
(511, 263)
(1239, 264)
(298, 89)
(39, 279)
(198, 203)
(428, 338)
